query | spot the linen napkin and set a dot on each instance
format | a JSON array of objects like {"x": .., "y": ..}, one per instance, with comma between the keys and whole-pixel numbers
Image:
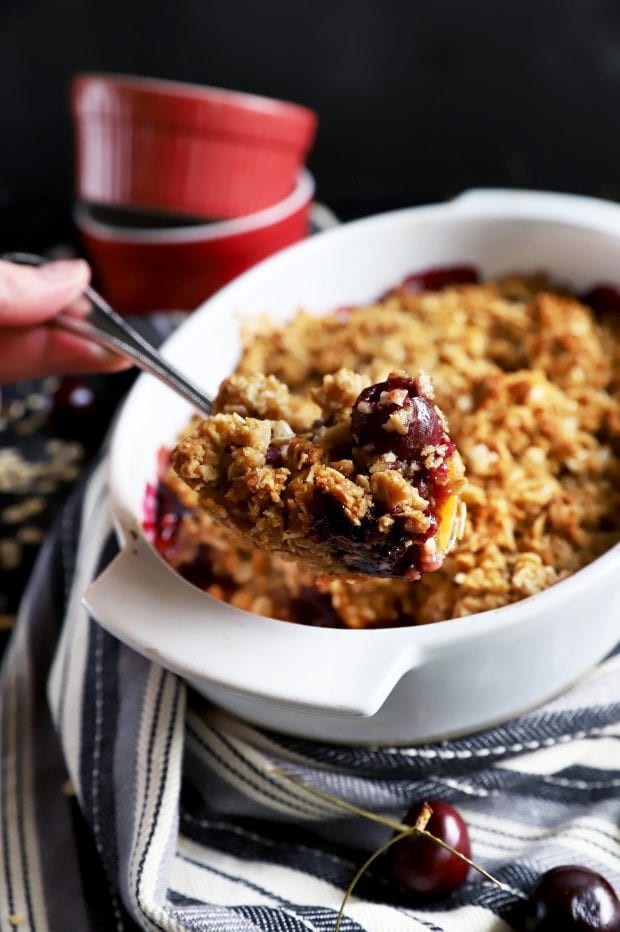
[{"x": 127, "y": 802}]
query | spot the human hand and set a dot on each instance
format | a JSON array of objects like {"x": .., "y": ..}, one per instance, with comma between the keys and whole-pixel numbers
[{"x": 29, "y": 298}]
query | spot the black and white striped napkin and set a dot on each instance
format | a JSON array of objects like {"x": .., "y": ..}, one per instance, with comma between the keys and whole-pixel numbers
[{"x": 126, "y": 802}]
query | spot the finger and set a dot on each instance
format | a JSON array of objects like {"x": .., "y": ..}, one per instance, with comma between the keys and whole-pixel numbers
[
  {"x": 31, "y": 295},
  {"x": 35, "y": 352}
]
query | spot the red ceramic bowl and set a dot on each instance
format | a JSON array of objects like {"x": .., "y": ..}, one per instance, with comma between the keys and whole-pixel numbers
[
  {"x": 202, "y": 151},
  {"x": 176, "y": 268}
]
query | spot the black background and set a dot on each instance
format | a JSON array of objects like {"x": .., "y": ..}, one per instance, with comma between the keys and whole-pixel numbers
[{"x": 417, "y": 100}]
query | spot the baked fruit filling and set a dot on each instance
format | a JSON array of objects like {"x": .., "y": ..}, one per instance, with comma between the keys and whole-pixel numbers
[{"x": 354, "y": 479}]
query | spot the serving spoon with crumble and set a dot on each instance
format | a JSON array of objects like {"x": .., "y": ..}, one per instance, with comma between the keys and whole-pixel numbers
[
  {"x": 370, "y": 489},
  {"x": 100, "y": 324}
]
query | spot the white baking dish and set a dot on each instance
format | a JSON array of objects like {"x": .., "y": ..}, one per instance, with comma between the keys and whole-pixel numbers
[{"x": 388, "y": 686}]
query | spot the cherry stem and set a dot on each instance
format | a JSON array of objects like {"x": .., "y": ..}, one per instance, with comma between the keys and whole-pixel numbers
[
  {"x": 400, "y": 827},
  {"x": 463, "y": 857},
  {"x": 362, "y": 870},
  {"x": 340, "y": 803}
]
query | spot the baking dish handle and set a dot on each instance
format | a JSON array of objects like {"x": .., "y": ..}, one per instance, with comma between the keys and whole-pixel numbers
[
  {"x": 144, "y": 603},
  {"x": 548, "y": 205}
]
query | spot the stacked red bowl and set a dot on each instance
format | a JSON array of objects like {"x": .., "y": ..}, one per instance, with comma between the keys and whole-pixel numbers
[{"x": 182, "y": 187}]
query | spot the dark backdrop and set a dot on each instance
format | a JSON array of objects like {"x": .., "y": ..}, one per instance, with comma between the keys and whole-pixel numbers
[{"x": 417, "y": 100}]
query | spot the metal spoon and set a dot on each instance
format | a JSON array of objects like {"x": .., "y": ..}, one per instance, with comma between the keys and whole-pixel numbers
[{"x": 104, "y": 326}]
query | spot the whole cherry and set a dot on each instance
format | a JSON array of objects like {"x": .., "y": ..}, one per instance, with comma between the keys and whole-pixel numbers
[
  {"x": 422, "y": 866},
  {"x": 603, "y": 298},
  {"x": 572, "y": 899},
  {"x": 443, "y": 276},
  {"x": 82, "y": 406},
  {"x": 373, "y": 409}
]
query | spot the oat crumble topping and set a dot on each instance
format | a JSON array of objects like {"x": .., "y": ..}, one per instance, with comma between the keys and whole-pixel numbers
[
  {"x": 530, "y": 381},
  {"x": 341, "y": 496}
]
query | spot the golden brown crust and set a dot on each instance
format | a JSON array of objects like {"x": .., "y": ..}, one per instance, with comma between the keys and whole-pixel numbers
[
  {"x": 530, "y": 381},
  {"x": 264, "y": 396},
  {"x": 319, "y": 497}
]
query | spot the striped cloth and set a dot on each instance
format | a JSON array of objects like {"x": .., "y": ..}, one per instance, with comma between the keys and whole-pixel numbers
[{"x": 128, "y": 803}]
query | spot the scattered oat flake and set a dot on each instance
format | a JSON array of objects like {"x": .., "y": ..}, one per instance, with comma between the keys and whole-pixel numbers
[
  {"x": 28, "y": 508},
  {"x": 68, "y": 788},
  {"x": 10, "y": 554}
]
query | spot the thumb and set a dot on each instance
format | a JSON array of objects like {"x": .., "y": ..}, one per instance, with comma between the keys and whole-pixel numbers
[{"x": 32, "y": 295}]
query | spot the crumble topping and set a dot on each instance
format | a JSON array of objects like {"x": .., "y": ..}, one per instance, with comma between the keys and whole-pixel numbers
[
  {"x": 334, "y": 497},
  {"x": 530, "y": 379}
]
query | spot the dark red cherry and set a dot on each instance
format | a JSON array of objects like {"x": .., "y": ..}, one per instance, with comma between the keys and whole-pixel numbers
[
  {"x": 572, "y": 899},
  {"x": 442, "y": 276},
  {"x": 82, "y": 406},
  {"x": 422, "y": 866},
  {"x": 602, "y": 298},
  {"x": 273, "y": 456},
  {"x": 74, "y": 412},
  {"x": 163, "y": 515},
  {"x": 74, "y": 395},
  {"x": 314, "y": 608},
  {"x": 371, "y": 413}
]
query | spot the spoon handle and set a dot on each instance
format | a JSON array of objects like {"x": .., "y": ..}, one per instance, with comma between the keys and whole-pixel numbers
[{"x": 102, "y": 325}]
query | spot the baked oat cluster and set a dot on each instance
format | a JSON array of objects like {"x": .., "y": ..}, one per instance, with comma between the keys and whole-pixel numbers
[
  {"x": 366, "y": 483},
  {"x": 529, "y": 379}
]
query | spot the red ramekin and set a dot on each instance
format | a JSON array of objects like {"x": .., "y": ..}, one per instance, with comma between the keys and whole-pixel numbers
[
  {"x": 176, "y": 268},
  {"x": 189, "y": 149}
]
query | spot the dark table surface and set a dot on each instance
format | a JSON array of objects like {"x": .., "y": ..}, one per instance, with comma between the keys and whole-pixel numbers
[{"x": 50, "y": 430}]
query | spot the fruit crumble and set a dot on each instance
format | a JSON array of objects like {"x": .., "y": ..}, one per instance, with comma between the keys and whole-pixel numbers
[
  {"x": 368, "y": 486},
  {"x": 529, "y": 379}
]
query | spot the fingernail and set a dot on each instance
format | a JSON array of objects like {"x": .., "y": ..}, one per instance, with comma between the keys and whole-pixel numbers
[
  {"x": 100, "y": 352},
  {"x": 64, "y": 268}
]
